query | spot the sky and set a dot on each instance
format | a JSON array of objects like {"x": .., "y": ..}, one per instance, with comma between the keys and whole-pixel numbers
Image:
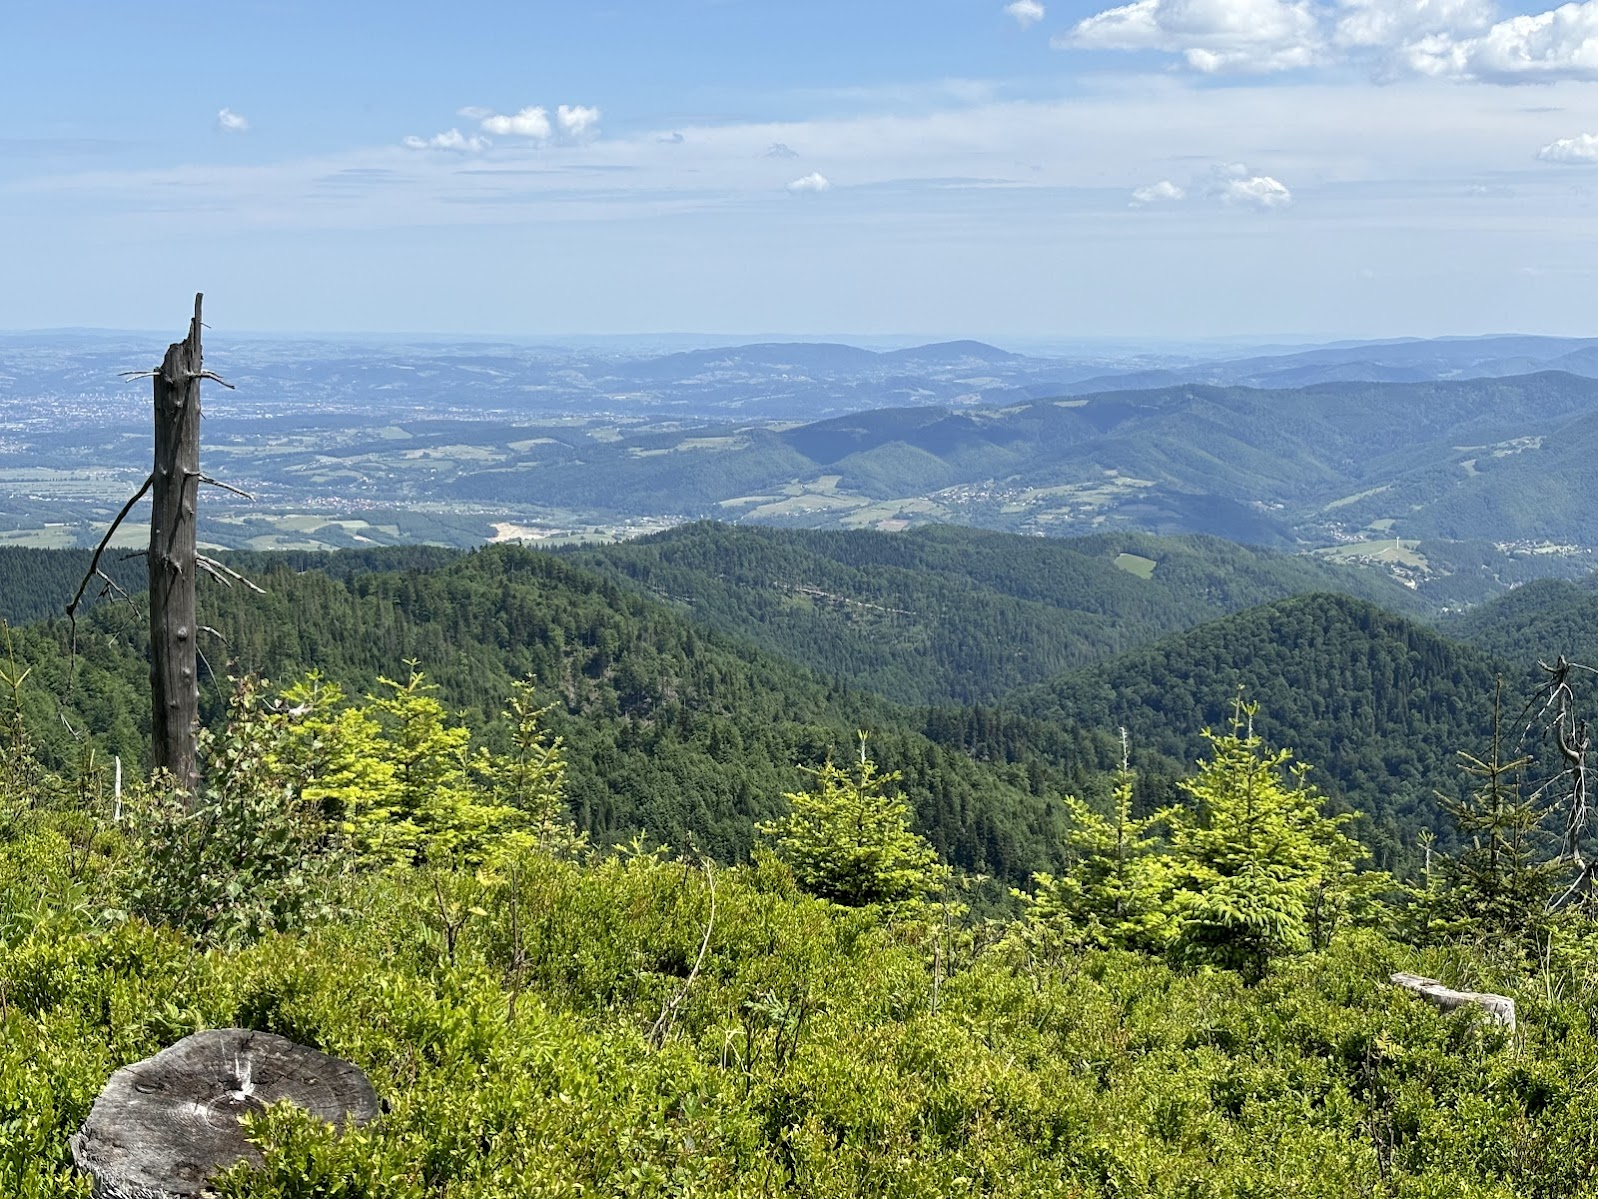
[{"x": 1164, "y": 169}]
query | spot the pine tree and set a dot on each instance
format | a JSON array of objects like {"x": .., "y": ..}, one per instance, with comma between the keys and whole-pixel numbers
[
  {"x": 1495, "y": 885},
  {"x": 339, "y": 753},
  {"x": 531, "y": 779},
  {"x": 1256, "y": 860},
  {"x": 1113, "y": 890},
  {"x": 848, "y": 838}
]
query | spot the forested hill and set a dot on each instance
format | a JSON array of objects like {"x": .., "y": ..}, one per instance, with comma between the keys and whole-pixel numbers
[
  {"x": 681, "y": 728},
  {"x": 1541, "y": 620},
  {"x": 36, "y": 584},
  {"x": 1378, "y": 705},
  {"x": 944, "y": 613},
  {"x": 674, "y": 730}
]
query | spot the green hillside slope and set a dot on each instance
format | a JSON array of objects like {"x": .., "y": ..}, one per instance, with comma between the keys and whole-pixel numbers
[
  {"x": 1540, "y": 620},
  {"x": 1377, "y": 704},
  {"x": 673, "y": 729},
  {"x": 1493, "y": 475},
  {"x": 942, "y": 613}
]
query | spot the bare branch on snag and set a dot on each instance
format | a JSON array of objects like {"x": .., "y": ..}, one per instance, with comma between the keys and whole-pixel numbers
[
  {"x": 93, "y": 572},
  {"x": 225, "y": 486},
  {"x": 94, "y": 562},
  {"x": 1571, "y": 739},
  {"x": 212, "y": 569},
  {"x": 226, "y": 574},
  {"x": 211, "y": 375},
  {"x": 134, "y": 376},
  {"x": 112, "y": 587}
]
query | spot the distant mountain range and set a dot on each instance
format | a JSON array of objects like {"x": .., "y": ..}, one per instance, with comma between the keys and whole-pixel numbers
[
  {"x": 768, "y": 380},
  {"x": 1463, "y": 485},
  {"x": 1363, "y": 469},
  {"x": 1403, "y": 361}
]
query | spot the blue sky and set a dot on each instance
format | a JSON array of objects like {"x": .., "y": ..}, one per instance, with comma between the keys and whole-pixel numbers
[{"x": 1161, "y": 169}]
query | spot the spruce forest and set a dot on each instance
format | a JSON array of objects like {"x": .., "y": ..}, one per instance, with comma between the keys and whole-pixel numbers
[{"x": 740, "y": 861}]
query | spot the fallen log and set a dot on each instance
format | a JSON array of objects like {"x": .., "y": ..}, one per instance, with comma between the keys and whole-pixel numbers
[
  {"x": 1498, "y": 1008},
  {"x": 164, "y": 1126}
]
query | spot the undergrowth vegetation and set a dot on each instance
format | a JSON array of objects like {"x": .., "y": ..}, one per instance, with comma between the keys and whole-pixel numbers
[{"x": 1193, "y": 1010}]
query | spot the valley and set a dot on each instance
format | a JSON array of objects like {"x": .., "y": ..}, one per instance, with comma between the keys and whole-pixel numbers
[{"x": 1460, "y": 488}]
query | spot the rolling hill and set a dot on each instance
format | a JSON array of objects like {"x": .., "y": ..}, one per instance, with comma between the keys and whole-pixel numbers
[
  {"x": 1500, "y": 462},
  {"x": 1377, "y": 705},
  {"x": 944, "y": 614},
  {"x": 673, "y": 729}
]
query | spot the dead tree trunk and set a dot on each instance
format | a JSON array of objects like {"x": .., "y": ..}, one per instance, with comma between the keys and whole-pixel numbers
[
  {"x": 174, "y": 493},
  {"x": 173, "y": 486}
]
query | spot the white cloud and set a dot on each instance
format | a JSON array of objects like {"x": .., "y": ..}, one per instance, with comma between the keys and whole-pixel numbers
[
  {"x": 531, "y": 121},
  {"x": 1025, "y": 12},
  {"x": 813, "y": 182},
  {"x": 474, "y": 112},
  {"x": 1395, "y": 25},
  {"x": 1213, "y": 35},
  {"x": 1231, "y": 183},
  {"x": 450, "y": 139},
  {"x": 577, "y": 120},
  {"x": 229, "y": 121},
  {"x": 1583, "y": 148},
  {"x": 1447, "y": 39},
  {"x": 1559, "y": 44},
  {"x": 1256, "y": 191},
  {"x": 1155, "y": 192}
]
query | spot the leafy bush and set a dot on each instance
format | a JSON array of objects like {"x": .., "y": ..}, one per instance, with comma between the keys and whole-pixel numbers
[{"x": 250, "y": 853}]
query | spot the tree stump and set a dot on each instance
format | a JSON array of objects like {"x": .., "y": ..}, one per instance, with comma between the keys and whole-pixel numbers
[
  {"x": 1498, "y": 1008},
  {"x": 164, "y": 1126}
]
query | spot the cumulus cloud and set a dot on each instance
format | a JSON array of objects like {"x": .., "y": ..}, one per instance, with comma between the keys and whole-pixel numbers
[
  {"x": 1230, "y": 183},
  {"x": 577, "y": 120},
  {"x": 1025, "y": 12},
  {"x": 531, "y": 121},
  {"x": 451, "y": 139},
  {"x": 813, "y": 182},
  {"x": 1559, "y": 44},
  {"x": 1212, "y": 35},
  {"x": 1156, "y": 192},
  {"x": 1583, "y": 148},
  {"x": 229, "y": 121},
  {"x": 778, "y": 150},
  {"x": 1398, "y": 25},
  {"x": 536, "y": 123},
  {"x": 1255, "y": 191},
  {"x": 1446, "y": 39}
]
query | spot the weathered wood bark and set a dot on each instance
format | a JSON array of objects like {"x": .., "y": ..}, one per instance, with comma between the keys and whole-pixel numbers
[
  {"x": 1498, "y": 1008},
  {"x": 162, "y": 1127},
  {"x": 175, "y": 486}
]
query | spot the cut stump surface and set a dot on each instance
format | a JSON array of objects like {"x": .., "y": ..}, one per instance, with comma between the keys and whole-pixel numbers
[{"x": 163, "y": 1126}]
